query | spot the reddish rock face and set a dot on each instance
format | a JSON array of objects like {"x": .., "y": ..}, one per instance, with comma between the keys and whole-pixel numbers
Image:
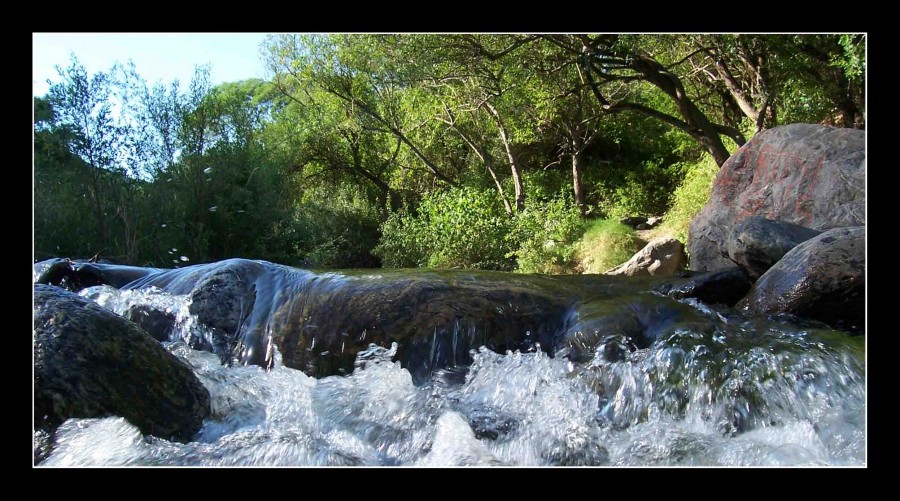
[{"x": 805, "y": 174}]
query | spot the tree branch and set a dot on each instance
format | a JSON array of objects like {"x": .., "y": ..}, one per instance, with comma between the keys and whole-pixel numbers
[
  {"x": 493, "y": 56},
  {"x": 692, "y": 54}
]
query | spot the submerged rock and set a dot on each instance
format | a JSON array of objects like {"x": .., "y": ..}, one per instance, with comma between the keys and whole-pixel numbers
[
  {"x": 74, "y": 276},
  {"x": 51, "y": 271},
  {"x": 805, "y": 174},
  {"x": 158, "y": 323},
  {"x": 663, "y": 256},
  {"x": 822, "y": 279},
  {"x": 222, "y": 296},
  {"x": 726, "y": 287},
  {"x": 319, "y": 322},
  {"x": 437, "y": 319},
  {"x": 89, "y": 362},
  {"x": 613, "y": 327},
  {"x": 756, "y": 243}
]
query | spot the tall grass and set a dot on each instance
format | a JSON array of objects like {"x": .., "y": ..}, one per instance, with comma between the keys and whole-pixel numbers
[
  {"x": 687, "y": 200},
  {"x": 606, "y": 244}
]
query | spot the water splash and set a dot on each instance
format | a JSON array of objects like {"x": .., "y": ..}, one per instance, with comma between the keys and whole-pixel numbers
[
  {"x": 742, "y": 393},
  {"x": 176, "y": 322}
]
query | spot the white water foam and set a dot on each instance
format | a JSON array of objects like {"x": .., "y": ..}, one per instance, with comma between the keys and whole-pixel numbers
[{"x": 688, "y": 400}]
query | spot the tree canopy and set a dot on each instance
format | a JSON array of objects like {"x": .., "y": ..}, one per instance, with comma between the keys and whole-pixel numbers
[{"x": 472, "y": 150}]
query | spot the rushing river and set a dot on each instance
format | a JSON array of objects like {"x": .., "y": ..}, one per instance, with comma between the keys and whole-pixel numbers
[{"x": 729, "y": 391}]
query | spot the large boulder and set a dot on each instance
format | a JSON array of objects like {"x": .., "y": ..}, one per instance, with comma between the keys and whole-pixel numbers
[
  {"x": 320, "y": 322},
  {"x": 756, "y": 243},
  {"x": 823, "y": 279},
  {"x": 805, "y": 174},
  {"x": 663, "y": 256},
  {"x": 90, "y": 362},
  {"x": 437, "y": 318}
]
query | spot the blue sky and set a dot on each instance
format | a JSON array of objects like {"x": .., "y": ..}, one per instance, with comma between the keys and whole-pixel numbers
[{"x": 157, "y": 56}]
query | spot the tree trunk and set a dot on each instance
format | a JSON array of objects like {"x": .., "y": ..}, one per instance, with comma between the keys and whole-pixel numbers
[
  {"x": 699, "y": 126},
  {"x": 577, "y": 186},
  {"x": 390, "y": 196},
  {"x": 97, "y": 202},
  {"x": 693, "y": 121},
  {"x": 98, "y": 213},
  {"x": 486, "y": 161},
  {"x": 513, "y": 164}
]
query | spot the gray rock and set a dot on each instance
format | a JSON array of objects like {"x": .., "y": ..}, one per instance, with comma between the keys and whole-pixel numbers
[
  {"x": 726, "y": 287},
  {"x": 90, "y": 362},
  {"x": 756, "y": 243},
  {"x": 158, "y": 323},
  {"x": 223, "y": 296},
  {"x": 805, "y": 174},
  {"x": 320, "y": 322},
  {"x": 51, "y": 271},
  {"x": 822, "y": 279},
  {"x": 663, "y": 256}
]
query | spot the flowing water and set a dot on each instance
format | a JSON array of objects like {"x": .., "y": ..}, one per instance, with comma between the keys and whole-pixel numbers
[{"x": 717, "y": 390}]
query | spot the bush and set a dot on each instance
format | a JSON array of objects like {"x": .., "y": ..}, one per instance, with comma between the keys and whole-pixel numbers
[
  {"x": 457, "y": 228},
  {"x": 688, "y": 199},
  {"x": 546, "y": 234},
  {"x": 643, "y": 191},
  {"x": 605, "y": 245},
  {"x": 336, "y": 228}
]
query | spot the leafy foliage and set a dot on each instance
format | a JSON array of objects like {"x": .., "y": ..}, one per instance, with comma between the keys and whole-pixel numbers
[
  {"x": 687, "y": 200},
  {"x": 457, "y": 228},
  {"x": 545, "y": 236},
  {"x": 335, "y": 229}
]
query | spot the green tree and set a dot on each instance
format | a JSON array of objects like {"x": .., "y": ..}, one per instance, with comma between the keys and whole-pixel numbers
[{"x": 82, "y": 105}]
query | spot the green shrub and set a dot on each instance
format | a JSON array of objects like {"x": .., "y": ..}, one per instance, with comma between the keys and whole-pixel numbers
[
  {"x": 546, "y": 234},
  {"x": 457, "y": 228},
  {"x": 403, "y": 241},
  {"x": 336, "y": 228},
  {"x": 642, "y": 191},
  {"x": 605, "y": 245},
  {"x": 688, "y": 199}
]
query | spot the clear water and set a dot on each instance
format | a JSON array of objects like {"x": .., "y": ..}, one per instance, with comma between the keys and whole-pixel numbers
[{"x": 747, "y": 394}]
